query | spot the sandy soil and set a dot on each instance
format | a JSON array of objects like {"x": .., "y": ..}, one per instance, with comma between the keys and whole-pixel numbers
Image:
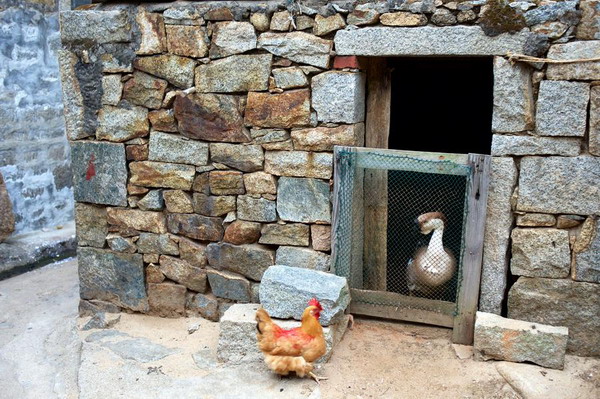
[{"x": 398, "y": 360}]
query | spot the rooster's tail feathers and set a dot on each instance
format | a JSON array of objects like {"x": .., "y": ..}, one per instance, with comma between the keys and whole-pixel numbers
[{"x": 263, "y": 318}]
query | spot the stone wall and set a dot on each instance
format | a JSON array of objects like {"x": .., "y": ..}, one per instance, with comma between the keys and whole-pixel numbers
[
  {"x": 202, "y": 138},
  {"x": 34, "y": 154}
]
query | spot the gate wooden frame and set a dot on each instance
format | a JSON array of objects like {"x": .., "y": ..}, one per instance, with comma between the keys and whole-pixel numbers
[{"x": 371, "y": 210}]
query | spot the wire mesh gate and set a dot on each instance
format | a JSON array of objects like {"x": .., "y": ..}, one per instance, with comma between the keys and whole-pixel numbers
[{"x": 408, "y": 234}]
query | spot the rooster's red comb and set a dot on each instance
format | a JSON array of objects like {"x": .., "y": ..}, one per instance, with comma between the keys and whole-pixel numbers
[{"x": 314, "y": 302}]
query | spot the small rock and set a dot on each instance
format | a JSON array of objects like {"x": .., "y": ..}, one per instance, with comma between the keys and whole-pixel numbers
[
  {"x": 229, "y": 38},
  {"x": 153, "y": 222},
  {"x": 120, "y": 244},
  {"x": 140, "y": 350},
  {"x": 260, "y": 21},
  {"x": 222, "y": 76},
  {"x": 299, "y": 47},
  {"x": 281, "y": 21},
  {"x": 152, "y": 31},
  {"x": 206, "y": 306},
  {"x": 193, "y": 327},
  {"x": 289, "y": 78},
  {"x": 153, "y": 201},
  {"x": 463, "y": 351},
  {"x": 163, "y": 120},
  {"x": 325, "y": 25},
  {"x": 568, "y": 221},
  {"x": 153, "y": 274},
  {"x": 443, "y": 17},
  {"x": 304, "y": 22},
  {"x": 363, "y": 17},
  {"x": 101, "y": 320},
  {"x": 219, "y": 14},
  {"x": 325, "y": 138},
  {"x": 112, "y": 89},
  {"x": 403, "y": 19}
]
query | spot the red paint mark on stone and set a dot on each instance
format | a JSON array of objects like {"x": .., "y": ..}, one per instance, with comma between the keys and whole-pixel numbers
[
  {"x": 91, "y": 169},
  {"x": 351, "y": 61}
]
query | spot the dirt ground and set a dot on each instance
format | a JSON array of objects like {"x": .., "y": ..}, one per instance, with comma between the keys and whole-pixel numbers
[{"x": 43, "y": 354}]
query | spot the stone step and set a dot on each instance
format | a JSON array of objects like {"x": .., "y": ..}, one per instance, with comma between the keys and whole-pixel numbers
[{"x": 237, "y": 339}]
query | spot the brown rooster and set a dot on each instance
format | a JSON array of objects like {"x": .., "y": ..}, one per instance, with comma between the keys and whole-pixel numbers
[{"x": 295, "y": 349}]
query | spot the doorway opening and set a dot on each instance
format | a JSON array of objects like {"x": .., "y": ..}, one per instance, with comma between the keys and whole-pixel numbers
[{"x": 441, "y": 104}]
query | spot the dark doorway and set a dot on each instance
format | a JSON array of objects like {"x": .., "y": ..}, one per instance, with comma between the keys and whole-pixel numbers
[{"x": 441, "y": 104}]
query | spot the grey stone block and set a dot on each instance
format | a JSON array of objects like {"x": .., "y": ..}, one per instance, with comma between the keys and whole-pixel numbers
[
  {"x": 519, "y": 341},
  {"x": 314, "y": 206},
  {"x": 80, "y": 27},
  {"x": 114, "y": 277},
  {"x": 285, "y": 292},
  {"x": 285, "y": 234},
  {"x": 577, "y": 70},
  {"x": 250, "y": 261},
  {"x": 562, "y": 108},
  {"x": 450, "y": 40},
  {"x": 167, "y": 147},
  {"x": 513, "y": 97},
  {"x": 237, "y": 338},
  {"x": 499, "y": 217},
  {"x": 237, "y": 73},
  {"x": 531, "y": 145},
  {"x": 594, "y": 123},
  {"x": 120, "y": 124},
  {"x": 297, "y": 46},
  {"x": 302, "y": 257},
  {"x": 229, "y": 285},
  {"x": 540, "y": 253},
  {"x": 206, "y": 306},
  {"x": 560, "y": 302},
  {"x": 99, "y": 173},
  {"x": 256, "y": 209},
  {"x": 339, "y": 96},
  {"x": 566, "y": 185}
]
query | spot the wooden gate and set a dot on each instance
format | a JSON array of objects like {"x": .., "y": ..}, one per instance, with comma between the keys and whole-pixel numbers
[{"x": 376, "y": 193}]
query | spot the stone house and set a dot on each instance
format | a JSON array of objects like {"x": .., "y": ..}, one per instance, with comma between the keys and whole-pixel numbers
[{"x": 202, "y": 138}]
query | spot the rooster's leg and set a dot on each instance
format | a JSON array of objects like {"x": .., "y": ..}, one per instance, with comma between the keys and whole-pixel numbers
[{"x": 316, "y": 378}]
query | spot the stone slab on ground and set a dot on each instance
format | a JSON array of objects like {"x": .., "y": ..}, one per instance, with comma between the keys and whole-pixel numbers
[
  {"x": 237, "y": 339},
  {"x": 285, "y": 292},
  {"x": 24, "y": 252},
  {"x": 534, "y": 382},
  {"x": 39, "y": 346},
  {"x": 560, "y": 302},
  {"x": 519, "y": 341}
]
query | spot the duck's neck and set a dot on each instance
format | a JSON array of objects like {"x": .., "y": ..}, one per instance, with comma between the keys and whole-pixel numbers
[{"x": 436, "y": 243}]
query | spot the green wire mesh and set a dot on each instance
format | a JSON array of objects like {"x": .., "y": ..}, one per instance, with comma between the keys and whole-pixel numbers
[{"x": 423, "y": 260}]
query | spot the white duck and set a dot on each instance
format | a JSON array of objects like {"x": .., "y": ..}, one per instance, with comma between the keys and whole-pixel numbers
[{"x": 433, "y": 265}]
